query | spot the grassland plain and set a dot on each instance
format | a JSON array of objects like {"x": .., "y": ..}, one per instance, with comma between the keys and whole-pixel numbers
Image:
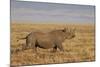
[{"x": 81, "y": 48}]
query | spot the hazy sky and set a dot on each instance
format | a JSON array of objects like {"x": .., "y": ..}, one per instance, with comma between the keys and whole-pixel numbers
[{"x": 50, "y": 12}]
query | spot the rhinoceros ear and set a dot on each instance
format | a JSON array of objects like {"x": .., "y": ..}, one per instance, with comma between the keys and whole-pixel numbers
[{"x": 64, "y": 30}]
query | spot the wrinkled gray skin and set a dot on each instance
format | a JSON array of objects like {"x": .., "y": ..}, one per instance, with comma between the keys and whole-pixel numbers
[{"x": 48, "y": 40}]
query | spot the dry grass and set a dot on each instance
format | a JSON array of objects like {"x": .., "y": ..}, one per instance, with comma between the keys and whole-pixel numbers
[{"x": 80, "y": 48}]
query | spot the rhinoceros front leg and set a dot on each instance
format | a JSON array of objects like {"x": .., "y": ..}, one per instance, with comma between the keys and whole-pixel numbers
[
  {"x": 55, "y": 48},
  {"x": 59, "y": 45}
]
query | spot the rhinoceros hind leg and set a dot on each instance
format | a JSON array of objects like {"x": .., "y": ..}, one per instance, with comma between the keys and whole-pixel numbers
[{"x": 34, "y": 47}]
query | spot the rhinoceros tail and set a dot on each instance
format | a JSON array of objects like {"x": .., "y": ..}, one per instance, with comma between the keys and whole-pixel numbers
[{"x": 21, "y": 38}]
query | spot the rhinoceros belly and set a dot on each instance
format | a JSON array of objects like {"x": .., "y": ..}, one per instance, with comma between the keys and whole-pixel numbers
[{"x": 45, "y": 43}]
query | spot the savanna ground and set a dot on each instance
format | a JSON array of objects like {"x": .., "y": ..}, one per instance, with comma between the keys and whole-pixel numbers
[{"x": 81, "y": 48}]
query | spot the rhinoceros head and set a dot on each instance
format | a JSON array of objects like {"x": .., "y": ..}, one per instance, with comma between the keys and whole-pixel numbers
[{"x": 69, "y": 33}]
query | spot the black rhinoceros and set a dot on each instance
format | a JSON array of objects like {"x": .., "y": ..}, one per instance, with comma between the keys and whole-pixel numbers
[{"x": 52, "y": 39}]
